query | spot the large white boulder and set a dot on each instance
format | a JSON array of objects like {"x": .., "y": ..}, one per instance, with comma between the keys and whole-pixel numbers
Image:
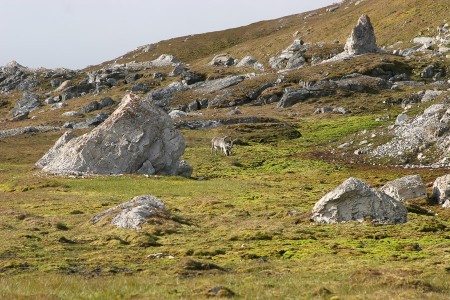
[
  {"x": 354, "y": 200},
  {"x": 139, "y": 137},
  {"x": 406, "y": 188},
  {"x": 441, "y": 191}
]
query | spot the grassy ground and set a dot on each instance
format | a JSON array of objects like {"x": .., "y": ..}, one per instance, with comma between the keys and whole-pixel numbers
[{"x": 241, "y": 223}]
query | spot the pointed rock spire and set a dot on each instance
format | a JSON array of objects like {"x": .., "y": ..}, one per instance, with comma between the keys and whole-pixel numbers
[{"x": 362, "y": 39}]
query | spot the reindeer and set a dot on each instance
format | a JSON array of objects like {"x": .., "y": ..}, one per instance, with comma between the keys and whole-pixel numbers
[{"x": 222, "y": 144}]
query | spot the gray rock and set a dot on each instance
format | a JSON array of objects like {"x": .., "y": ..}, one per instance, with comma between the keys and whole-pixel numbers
[
  {"x": 55, "y": 83},
  {"x": 59, "y": 105},
  {"x": 292, "y": 97},
  {"x": 234, "y": 112},
  {"x": 354, "y": 200},
  {"x": 174, "y": 114},
  {"x": 427, "y": 72},
  {"x": 340, "y": 110},
  {"x": 178, "y": 70},
  {"x": 248, "y": 61},
  {"x": 63, "y": 86},
  {"x": 430, "y": 95},
  {"x": 423, "y": 40},
  {"x": 165, "y": 60},
  {"x": 140, "y": 87},
  {"x": 133, "y": 77},
  {"x": 441, "y": 189},
  {"x": 89, "y": 107},
  {"x": 27, "y": 84},
  {"x": 77, "y": 91},
  {"x": 190, "y": 77},
  {"x": 224, "y": 100},
  {"x": 71, "y": 114},
  {"x": 410, "y": 83},
  {"x": 105, "y": 102},
  {"x": 138, "y": 137},
  {"x": 222, "y": 60},
  {"x": 52, "y": 100},
  {"x": 430, "y": 128},
  {"x": 362, "y": 39},
  {"x": 27, "y": 103},
  {"x": 25, "y": 130},
  {"x": 406, "y": 188},
  {"x": 111, "y": 82},
  {"x": 255, "y": 93},
  {"x": 20, "y": 117},
  {"x": 345, "y": 145},
  {"x": 323, "y": 110},
  {"x": 212, "y": 86},
  {"x": 197, "y": 105},
  {"x": 133, "y": 214},
  {"x": 363, "y": 83},
  {"x": 401, "y": 118},
  {"x": 296, "y": 61},
  {"x": 184, "y": 169},
  {"x": 332, "y": 9},
  {"x": 291, "y": 57},
  {"x": 163, "y": 97}
]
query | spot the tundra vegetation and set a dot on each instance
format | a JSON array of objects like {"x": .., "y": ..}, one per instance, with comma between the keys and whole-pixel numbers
[{"x": 240, "y": 226}]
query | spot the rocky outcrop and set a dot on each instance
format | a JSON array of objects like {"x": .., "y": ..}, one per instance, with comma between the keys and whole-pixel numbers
[
  {"x": 165, "y": 60},
  {"x": 222, "y": 60},
  {"x": 24, "y": 130},
  {"x": 134, "y": 213},
  {"x": 437, "y": 45},
  {"x": 291, "y": 57},
  {"x": 406, "y": 188},
  {"x": 250, "y": 62},
  {"x": 12, "y": 75},
  {"x": 293, "y": 96},
  {"x": 215, "y": 85},
  {"x": 138, "y": 137},
  {"x": 178, "y": 70},
  {"x": 97, "y": 105},
  {"x": 354, "y": 200},
  {"x": 413, "y": 138},
  {"x": 441, "y": 191},
  {"x": 163, "y": 97},
  {"x": 362, "y": 39},
  {"x": 78, "y": 90},
  {"x": 27, "y": 103},
  {"x": 329, "y": 109}
]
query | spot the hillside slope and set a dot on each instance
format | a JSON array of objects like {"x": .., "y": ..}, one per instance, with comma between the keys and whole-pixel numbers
[{"x": 394, "y": 21}]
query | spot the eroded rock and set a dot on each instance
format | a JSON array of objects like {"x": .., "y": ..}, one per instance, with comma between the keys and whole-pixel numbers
[
  {"x": 28, "y": 102},
  {"x": 138, "y": 137},
  {"x": 406, "y": 188},
  {"x": 354, "y": 200},
  {"x": 362, "y": 39},
  {"x": 134, "y": 213},
  {"x": 441, "y": 190}
]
